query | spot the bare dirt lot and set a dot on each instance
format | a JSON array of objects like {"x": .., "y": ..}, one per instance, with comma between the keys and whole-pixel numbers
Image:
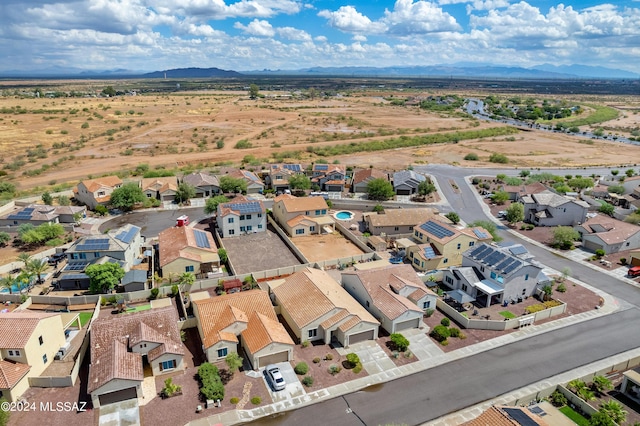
[{"x": 326, "y": 246}]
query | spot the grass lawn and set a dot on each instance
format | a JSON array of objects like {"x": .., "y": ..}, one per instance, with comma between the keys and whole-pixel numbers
[
  {"x": 85, "y": 317},
  {"x": 139, "y": 308},
  {"x": 507, "y": 314},
  {"x": 576, "y": 417}
]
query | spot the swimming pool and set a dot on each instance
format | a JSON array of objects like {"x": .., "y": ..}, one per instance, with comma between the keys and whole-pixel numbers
[{"x": 344, "y": 215}]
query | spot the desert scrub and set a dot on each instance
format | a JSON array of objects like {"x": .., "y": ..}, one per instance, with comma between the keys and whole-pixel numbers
[
  {"x": 256, "y": 400},
  {"x": 234, "y": 400},
  {"x": 307, "y": 381},
  {"x": 301, "y": 368}
]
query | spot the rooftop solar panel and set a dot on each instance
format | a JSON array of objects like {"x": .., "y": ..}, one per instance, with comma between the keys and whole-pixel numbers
[
  {"x": 74, "y": 277},
  {"x": 429, "y": 253},
  {"x": 201, "y": 239},
  {"x": 28, "y": 210},
  {"x": 494, "y": 258},
  {"x": 518, "y": 250},
  {"x": 76, "y": 266},
  {"x": 480, "y": 234},
  {"x": 505, "y": 262},
  {"x": 515, "y": 265},
  {"x": 436, "y": 229},
  {"x": 477, "y": 250},
  {"x": 127, "y": 236},
  {"x": 484, "y": 253},
  {"x": 321, "y": 167},
  {"x": 520, "y": 417},
  {"x": 243, "y": 208},
  {"x": 293, "y": 167}
]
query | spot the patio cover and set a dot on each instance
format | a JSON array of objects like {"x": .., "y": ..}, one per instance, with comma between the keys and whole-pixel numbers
[
  {"x": 404, "y": 243},
  {"x": 488, "y": 287},
  {"x": 460, "y": 296}
]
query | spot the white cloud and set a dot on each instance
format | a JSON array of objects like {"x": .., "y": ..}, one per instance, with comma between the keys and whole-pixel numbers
[
  {"x": 409, "y": 18},
  {"x": 256, "y": 28},
  {"x": 359, "y": 37},
  {"x": 291, "y": 33},
  {"x": 348, "y": 19}
]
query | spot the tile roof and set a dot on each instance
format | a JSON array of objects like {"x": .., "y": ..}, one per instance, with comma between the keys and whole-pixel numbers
[
  {"x": 16, "y": 328},
  {"x": 551, "y": 199},
  {"x": 160, "y": 184},
  {"x": 300, "y": 204},
  {"x": 93, "y": 185},
  {"x": 247, "y": 204},
  {"x": 402, "y": 217},
  {"x": 497, "y": 416},
  {"x": 115, "y": 362},
  {"x": 250, "y": 177},
  {"x": 335, "y": 319},
  {"x": 261, "y": 331},
  {"x": 310, "y": 294},
  {"x": 407, "y": 177},
  {"x": 180, "y": 242},
  {"x": 609, "y": 230},
  {"x": 367, "y": 174},
  {"x": 11, "y": 373},
  {"x": 201, "y": 179}
]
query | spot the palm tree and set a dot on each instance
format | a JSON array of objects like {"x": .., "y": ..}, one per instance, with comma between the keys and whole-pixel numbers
[
  {"x": 187, "y": 278},
  {"x": 37, "y": 267},
  {"x": 7, "y": 282},
  {"x": 614, "y": 410},
  {"x": 24, "y": 258},
  {"x": 601, "y": 384}
]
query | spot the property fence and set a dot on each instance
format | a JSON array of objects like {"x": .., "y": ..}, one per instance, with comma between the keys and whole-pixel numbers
[
  {"x": 287, "y": 240},
  {"x": 351, "y": 237}
]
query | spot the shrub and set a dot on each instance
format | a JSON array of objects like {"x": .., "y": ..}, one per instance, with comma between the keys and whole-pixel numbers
[
  {"x": 212, "y": 387},
  {"x": 534, "y": 308},
  {"x": 301, "y": 368},
  {"x": 471, "y": 157},
  {"x": 334, "y": 369},
  {"x": 154, "y": 293},
  {"x": 445, "y": 321},
  {"x": 498, "y": 158},
  {"x": 101, "y": 210},
  {"x": 440, "y": 333},
  {"x": 454, "y": 332},
  {"x": 561, "y": 288},
  {"x": 305, "y": 344},
  {"x": 558, "y": 399},
  {"x": 429, "y": 312},
  {"x": 399, "y": 341},
  {"x": 175, "y": 290},
  {"x": 234, "y": 400},
  {"x": 316, "y": 360},
  {"x": 256, "y": 400},
  {"x": 307, "y": 381},
  {"x": 353, "y": 359},
  {"x": 357, "y": 368},
  {"x": 243, "y": 144},
  {"x": 170, "y": 388},
  {"x": 623, "y": 261},
  {"x": 328, "y": 357},
  {"x": 600, "y": 253}
]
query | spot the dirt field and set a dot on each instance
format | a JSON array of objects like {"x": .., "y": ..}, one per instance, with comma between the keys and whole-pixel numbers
[
  {"x": 46, "y": 141},
  {"x": 326, "y": 246}
]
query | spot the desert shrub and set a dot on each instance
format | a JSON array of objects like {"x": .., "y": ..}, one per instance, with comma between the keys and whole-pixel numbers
[
  {"x": 623, "y": 261},
  {"x": 429, "y": 312},
  {"x": 498, "y": 158},
  {"x": 600, "y": 253},
  {"x": 256, "y": 400},
  {"x": 301, "y": 368},
  {"x": 445, "y": 321},
  {"x": 305, "y": 344},
  {"x": 440, "y": 333},
  {"x": 154, "y": 293},
  {"x": 243, "y": 144},
  {"x": 334, "y": 369},
  {"x": 328, "y": 357},
  {"x": 307, "y": 381},
  {"x": 234, "y": 400},
  {"x": 561, "y": 288},
  {"x": 316, "y": 360},
  {"x": 170, "y": 388},
  {"x": 357, "y": 368},
  {"x": 471, "y": 157},
  {"x": 454, "y": 332},
  {"x": 534, "y": 308},
  {"x": 353, "y": 359},
  {"x": 101, "y": 210},
  {"x": 212, "y": 387},
  {"x": 558, "y": 399},
  {"x": 399, "y": 341}
]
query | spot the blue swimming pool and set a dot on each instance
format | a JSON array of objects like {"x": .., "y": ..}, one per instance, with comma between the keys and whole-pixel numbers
[
  {"x": 344, "y": 215},
  {"x": 14, "y": 289}
]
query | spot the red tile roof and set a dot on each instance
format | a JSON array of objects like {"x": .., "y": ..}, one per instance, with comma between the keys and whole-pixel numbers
[
  {"x": 11, "y": 373},
  {"x": 16, "y": 328}
]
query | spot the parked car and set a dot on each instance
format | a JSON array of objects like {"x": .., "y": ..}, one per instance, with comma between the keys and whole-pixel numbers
[
  {"x": 634, "y": 271},
  {"x": 274, "y": 376},
  {"x": 502, "y": 213},
  {"x": 56, "y": 258}
]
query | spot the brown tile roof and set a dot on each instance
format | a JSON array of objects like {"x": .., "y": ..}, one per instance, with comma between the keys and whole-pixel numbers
[
  {"x": 217, "y": 313},
  {"x": 16, "y": 328},
  {"x": 180, "y": 242},
  {"x": 496, "y": 416},
  {"x": 165, "y": 348},
  {"x": 616, "y": 231},
  {"x": 335, "y": 319},
  {"x": 115, "y": 362},
  {"x": 300, "y": 204},
  {"x": 402, "y": 217},
  {"x": 350, "y": 323},
  {"x": 310, "y": 294},
  {"x": 160, "y": 184},
  {"x": 261, "y": 331},
  {"x": 366, "y": 174},
  {"x": 93, "y": 185},
  {"x": 11, "y": 373},
  {"x": 201, "y": 179}
]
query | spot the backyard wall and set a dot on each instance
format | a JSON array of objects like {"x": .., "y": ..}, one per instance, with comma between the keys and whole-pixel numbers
[{"x": 287, "y": 240}]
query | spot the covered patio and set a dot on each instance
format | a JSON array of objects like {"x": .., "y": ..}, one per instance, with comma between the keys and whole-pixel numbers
[{"x": 489, "y": 293}]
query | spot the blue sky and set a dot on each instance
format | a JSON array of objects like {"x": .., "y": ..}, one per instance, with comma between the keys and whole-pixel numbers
[{"x": 148, "y": 35}]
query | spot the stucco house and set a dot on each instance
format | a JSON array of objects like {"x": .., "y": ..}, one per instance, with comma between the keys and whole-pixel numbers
[
  {"x": 185, "y": 249},
  {"x": 29, "y": 342},
  {"x": 547, "y": 208},
  {"x": 206, "y": 185},
  {"x": 244, "y": 321},
  {"x": 254, "y": 183},
  {"x": 160, "y": 188},
  {"x": 494, "y": 274},
  {"x": 122, "y": 345},
  {"x": 37, "y": 214},
  {"x": 277, "y": 176},
  {"x": 441, "y": 245},
  {"x": 516, "y": 192},
  {"x": 608, "y": 234},
  {"x": 361, "y": 179},
  {"x": 92, "y": 192},
  {"x": 302, "y": 215},
  {"x": 329, "y": 177},
  {"x": 241, "y": 215},
  {"x": 393, "y": 294},
  {"x": 398, "y": 221},
  {"x": 316, "y": 307},
  {"x": 405, "y": 182}
]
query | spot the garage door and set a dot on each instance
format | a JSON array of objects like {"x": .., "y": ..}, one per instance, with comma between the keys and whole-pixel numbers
[
  {"x": 361, "y": 337},
  {"x": 403, "y": 192},
  {"x": 590, "y": 245},
  {"x": 117, "y": 396},
  {"x": 272, "y": 359},
  {"x": 414, "y": 323}
]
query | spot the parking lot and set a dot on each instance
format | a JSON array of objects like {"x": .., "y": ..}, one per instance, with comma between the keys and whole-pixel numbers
[{"x": 258, "y": 252}]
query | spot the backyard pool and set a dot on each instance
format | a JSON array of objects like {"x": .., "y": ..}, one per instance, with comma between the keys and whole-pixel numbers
[{"x": 344, "y": 215}]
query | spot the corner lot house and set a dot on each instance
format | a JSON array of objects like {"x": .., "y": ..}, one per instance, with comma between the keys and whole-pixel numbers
[
  {"x": 405, "y": 182},
  {"x": 608, "y": 234},
  {"x": 184, "y": 249},
  {"x": 361, "y": 179},
  {"x": 547, "y": 208},
  {"x": 28, "y": 344},
  {"x": 442, "y": 245},
  {"x": 241, "y": 321},
  {"x": 394, "y": 295},
  {"x": 37, "y": 214},
  {"x": 397, "y": 221},
  {"x": 206, "y": 185},
  {"x": 302, "y": 215},
  {"x": 241, "y": 215},
  {"x": 92, "y": 192},
  {"x": 123, "y": 345},
  {"x": 160, "y": 188},
  {"x": 316, "y": 307},
  {"x": 491, "y": 275}
]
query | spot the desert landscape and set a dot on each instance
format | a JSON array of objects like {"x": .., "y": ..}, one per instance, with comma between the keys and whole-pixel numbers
[{"x": 50, "y": 141}]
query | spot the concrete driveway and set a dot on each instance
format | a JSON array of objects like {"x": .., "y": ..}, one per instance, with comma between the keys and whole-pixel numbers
[
  {"x": 294, "y": 387},
  {"x": 120, "y": 414}
]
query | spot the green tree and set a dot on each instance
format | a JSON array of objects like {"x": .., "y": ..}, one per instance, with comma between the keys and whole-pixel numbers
[
  {"x": 630, "y": 172},
  {"x": 599, "y": 132},
  {"x": 525, "y": 173},
  {"x": 500, "y": 197},
  {"x": 254, "y": 91},
  {"x": 104, "y": 278},
  {"x": 600, "y": 418},
  {"x": 187, "y": 278},
  {"x": 471, "y": 157},
  {"x": 400, "y": 342},
  {"x": 185, "y": 192},
  {"x": 4, "y": 238},
  {"x": 615, "y": 172},
  {"x": 564, "y": 237},
  {"x": 233, "y": 361},
  {"x": 32, "y": 237},
  {"x": 63, "y": 200},
  {"x": 222, "y": 254},
  {"x": 440, "y": 333},
  {"x": 378, "y": 208},
  {"x": 127, "y": 196},
  {"x": 211, "y": 205},
  {"x": 7, "y": 282},
  {"x": 616, "y": 189},
  {"x": 7, "y": 187},
  {"x": 579, "y": 183},
  {"x": 37, "y": 267},
  {"x": 47, "y": 198},
  {"x": 4, "y": 415},
  {"x": 426, "y": 187},
  {"x": 109, "y": 91},
  {"x": 25, "y": 258},
  {"x": 300, "y": 182},
  {"x": 608, "y": 209},
  {"x": 515, "y": 213},
  {"x": 489, "y": 226},
  {"x": 379, "y": 189},
  {"x": 614, "y": 410},
  {"x": 231, "y": 184},
  {"x": 453, "y": 217},
  {"x": 49, "y": 231}
]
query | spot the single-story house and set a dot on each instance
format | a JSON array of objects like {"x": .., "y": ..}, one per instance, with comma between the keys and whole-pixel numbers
[
  {"x": 37, "y": 214},
  {"x": 361, "y": 179},
  {"x": 206, "y": 185},
  {"x": 398, "y": 221},
  {"x": 160, "y": 188},
  {"x": 185, "y": 249},
  {"x": 405, "y": 182},
  {"x": 608, "y": 234}
]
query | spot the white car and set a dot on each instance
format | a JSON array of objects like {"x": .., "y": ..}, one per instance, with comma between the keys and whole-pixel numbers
[{"x": 274, "y": 377}]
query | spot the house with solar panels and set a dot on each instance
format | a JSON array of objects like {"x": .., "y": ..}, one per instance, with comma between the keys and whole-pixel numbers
[
  {"x": 405, "y": 182},
  {"x": 441, "y": 245},
  {"x": 494, "y": 274},
  {"x": 240, "y": 216},
  {"x": 184, "y": 249},
  {"x": 37, "y": 214},
  {"x": 329, "y": 177},
  {"x": 277, "y": 176},
  {"x": 120, "y": 246}
]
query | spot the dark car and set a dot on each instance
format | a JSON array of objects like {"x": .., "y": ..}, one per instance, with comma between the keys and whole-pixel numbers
[{"x": 56, "y": 258}]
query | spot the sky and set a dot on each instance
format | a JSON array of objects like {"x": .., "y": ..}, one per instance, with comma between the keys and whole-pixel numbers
[{"x": 242, "y": 35}]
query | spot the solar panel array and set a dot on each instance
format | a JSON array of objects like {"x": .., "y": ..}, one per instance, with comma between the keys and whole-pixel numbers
[
  {"x": 520, "y": 417},
  {"x": 76, "y": 266},
  {"x": 480, "y": 234},
  {"x": 436, "y": 229},
  {"x": 513, "y": 266},
  {"x": 429, "y": 253},
  {"x": 321, "y": 167},
  {"x": 480, "y": 252},
  {"x": 494, "y": 258},
  {"x": 201, "y": 239},
  {"x": 24, "y": 214},
  {"x": 127, "y": 236},
  {"x": 518, "y": 250},
  {"x": 95, "y": 244},
  {"x": 293, "y": 167},
  {"x": 244, "y": 208}
]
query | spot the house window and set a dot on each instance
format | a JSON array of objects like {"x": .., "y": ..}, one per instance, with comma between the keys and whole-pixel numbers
[
  {"x": 40, "y": 340},
  {"x": 189, "y": 268},
  {"x": 232, "y": 231},
  {"x": 411, "y": 255},
  {"x": 464, "y": 288},
  {"x": 143, "y": 345},
  {"x": 482, "y": 268},
  {"x": 312, "y": 229},
  {"x": 317, "y": 212},
  {"x": 324, "y": 211},
  {"x": 259, "y": 226},
  {"x": 148, "y": 195},
  {"x": 241, "y": 217},
  {"x": 426, "y": 304},
  {"x": 416, "y": 261},
  {"x": 411, "y": 228},
  {"x": 222, "y": 352},
  {"x": 249, "y": 228},
  {"x": 306, "y": 213},
  {"x": 396, "y": 228},
  {"x": 472, "y": 243},
  {"x": 526, "y": 277},
  {"x": 44, "y": 358},
  {"x": 415, "y": 233},
  {"x": 14, "y": 352},
  {"x": 259, "y": 214},
  {"x": 493, "y": 275},
  {"x": 459, "y": 245},
  {"x": 167, "y": 365},
  {"x": 83, "y": 255},
  {"x": 230, "y": 220},
  {"x": 15, "y": 222},
  {"x": 313, "y": 333},
  {"x": 449, "y": 280},
  {"x": 299, "y": 231},
  {"x": 96, "y": 254},
  {"x": 524, "y": 291},
  {"x": 242, "y": 229},
  {"x": 367, "y": 303},
  {"x": 445, "y": 260},
  {"x": 248, "y": 217}
]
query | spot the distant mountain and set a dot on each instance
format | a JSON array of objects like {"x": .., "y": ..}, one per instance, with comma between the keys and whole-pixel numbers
[
  {"x": 587, "y": 71},
  {"x": 192, "y": 73}
]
